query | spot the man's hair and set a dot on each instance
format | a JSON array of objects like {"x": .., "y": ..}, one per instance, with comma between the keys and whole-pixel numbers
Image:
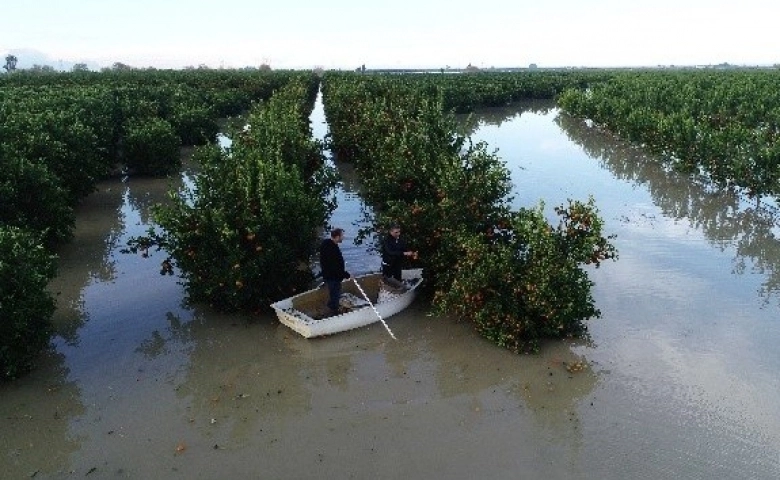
[
  {"x": 336, "y": 232},
  {"x": 395, "y": 226}
]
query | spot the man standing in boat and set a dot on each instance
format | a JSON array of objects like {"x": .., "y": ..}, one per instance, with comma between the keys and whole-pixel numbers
[
  {"x": 332, "y": 265},
  {"x": 394, "y": 250}
]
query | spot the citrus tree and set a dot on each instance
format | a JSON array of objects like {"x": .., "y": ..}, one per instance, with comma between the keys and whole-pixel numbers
[
  {"x": 26, "y": 305},
  {"x": 524, "y": 280},
  {"x": 243, "y": 233}
]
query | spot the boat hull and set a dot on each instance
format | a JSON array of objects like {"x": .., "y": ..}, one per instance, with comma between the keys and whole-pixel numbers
[{"x": 301, "y": 311}]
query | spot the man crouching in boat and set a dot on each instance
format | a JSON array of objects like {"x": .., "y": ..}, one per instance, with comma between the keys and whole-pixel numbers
[{"x": 332, "y": 265}]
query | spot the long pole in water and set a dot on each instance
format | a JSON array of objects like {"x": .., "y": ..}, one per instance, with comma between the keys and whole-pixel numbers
[{"x": 373, "y": 307}]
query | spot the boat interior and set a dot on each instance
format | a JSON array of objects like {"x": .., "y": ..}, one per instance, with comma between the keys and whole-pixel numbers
[{"x": 314, "y": 303}]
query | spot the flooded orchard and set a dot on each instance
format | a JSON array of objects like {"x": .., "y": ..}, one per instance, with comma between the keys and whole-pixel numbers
[{"x": 678, "y": 380}]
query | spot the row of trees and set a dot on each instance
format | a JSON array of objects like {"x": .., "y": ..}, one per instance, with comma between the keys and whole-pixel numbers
[
  {"x": 724, "y": 125},
  {"x": 243, "y": 234},
  {"x": 254, "y": 211},
  {"x": 11, "y": 62},
  {"x": 64, "y": 132},
  {"x": 516, "y": 277}
]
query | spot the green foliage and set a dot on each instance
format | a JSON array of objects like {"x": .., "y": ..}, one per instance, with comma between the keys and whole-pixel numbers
[
  {"x": 31, "y": 197},
  {"x": 511, "y": 273},
  {"x": 61, "y": 141},
  {"x": 243, "y": 235},
  {"x": 195, "y": 125},
  {"x": 279, "y": 130},
  {"x": 243, "y": 239},
  {"x": 62, "y": 132},
  {"x": 151, "y": 147},
  {"x": 418, "y": 171},
  {"x": 229, "y": 102},
  {"x": 25, "y": 304},
  {"x": 722, "y": 124},
  {"x": 523, "y": 280},
  {"x": 468, "y": 191}
]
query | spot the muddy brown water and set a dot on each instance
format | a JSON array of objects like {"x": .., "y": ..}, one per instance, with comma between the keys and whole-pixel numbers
[{"x": 679, "y": 379}]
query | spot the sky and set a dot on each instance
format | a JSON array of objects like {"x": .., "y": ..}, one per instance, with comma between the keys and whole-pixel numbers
[{"x": 345, "y": 34}]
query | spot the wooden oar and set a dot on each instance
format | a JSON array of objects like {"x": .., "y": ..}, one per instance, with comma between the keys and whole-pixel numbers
[{"x": 373, "y": 307}]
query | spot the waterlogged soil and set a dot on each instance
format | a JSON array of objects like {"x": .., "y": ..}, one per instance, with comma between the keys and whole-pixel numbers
[{"x": 678, "y": 380}]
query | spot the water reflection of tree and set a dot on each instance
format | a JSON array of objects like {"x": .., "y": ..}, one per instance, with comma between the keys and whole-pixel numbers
[
  {"x": 350, "y": 180},
  {"x": 360, "y": 217},
  {"x": 496, "y": 116},
  {"x": 719, "y": 214},
  {"x": 450, "y": 361},
  {"x": 88, "y": 256},
  {"x": 143, "y": 193},
  {"x": 104, "y": 220},
  {"x": 36, "y": 413}
]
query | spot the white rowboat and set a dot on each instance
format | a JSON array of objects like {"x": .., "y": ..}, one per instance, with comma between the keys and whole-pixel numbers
[{"x": 304, "y": 312}]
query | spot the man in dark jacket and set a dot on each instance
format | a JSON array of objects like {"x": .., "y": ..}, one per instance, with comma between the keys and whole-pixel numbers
[
  {"x": 332, "y": 265},
  {"x": 393, "y": 252}
]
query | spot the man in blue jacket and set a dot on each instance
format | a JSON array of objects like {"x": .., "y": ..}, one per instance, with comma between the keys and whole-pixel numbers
[{"x": 332, "y": 265}]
